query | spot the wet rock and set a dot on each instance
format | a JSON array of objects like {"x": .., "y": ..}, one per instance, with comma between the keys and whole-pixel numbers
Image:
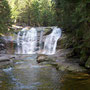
[
  {"x": 65, "y": 65},
  {"x": 60, "y": 62},
  {"x": 48, "y": 31},
  {"x": 43, "y": 58},
  {"x": 6, "y": 59},
  {"x": 70, "y": 67}
]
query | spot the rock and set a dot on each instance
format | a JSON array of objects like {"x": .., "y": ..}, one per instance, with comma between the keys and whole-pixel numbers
[
  {"x": 60, "y": 62},
  {"x": 3, "y": 51},
  {"x": 43, "y": 58},
  {"x": 87, "y": 64},
  {"x": 54, "y": 64},
  {"x": 6, "y": 59},
  {"x": 62, "y": 66},
  {"x": 48, "y": 31}
]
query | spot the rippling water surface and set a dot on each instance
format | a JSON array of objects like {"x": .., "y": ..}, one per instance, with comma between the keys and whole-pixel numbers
[{"x": 26, "y": 74}]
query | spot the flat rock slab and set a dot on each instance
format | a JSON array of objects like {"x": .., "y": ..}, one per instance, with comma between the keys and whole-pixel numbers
[
  {"x": 6, "y": 59},
  {"x": 60, "y": 61}
]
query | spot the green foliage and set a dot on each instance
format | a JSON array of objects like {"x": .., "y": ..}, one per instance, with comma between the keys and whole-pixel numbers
[
  {"x": 74, "y": 18},
  {"x": 48, "y": 15},
  {"x": 33, "y": 12},
  {"x": 4, "y": 16}
]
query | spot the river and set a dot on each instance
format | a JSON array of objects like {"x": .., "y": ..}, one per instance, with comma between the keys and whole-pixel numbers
[{"x": 27, "y": 74}]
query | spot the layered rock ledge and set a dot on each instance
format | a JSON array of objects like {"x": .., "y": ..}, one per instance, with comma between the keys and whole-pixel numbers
[{"x": 60, "y": 62}]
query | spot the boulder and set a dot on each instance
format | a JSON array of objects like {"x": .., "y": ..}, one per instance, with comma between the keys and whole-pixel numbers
[
  {"x": 4, "y": 58},
  {"x": 43, "y": 58}
]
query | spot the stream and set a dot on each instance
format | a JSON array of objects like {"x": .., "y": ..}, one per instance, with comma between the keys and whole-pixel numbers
[
  {"x": 27, "y": 74},
  {"x": 24, "y": 73}
]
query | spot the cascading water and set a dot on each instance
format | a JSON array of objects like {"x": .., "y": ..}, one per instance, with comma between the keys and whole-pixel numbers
[
  {"x": 20, "y": 40},
  {"x": 27, "y": 41},
  {"x": 51, "y": 41}
]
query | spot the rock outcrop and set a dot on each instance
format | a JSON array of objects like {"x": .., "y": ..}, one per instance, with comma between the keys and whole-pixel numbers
[{"x": 60, "y": 62}]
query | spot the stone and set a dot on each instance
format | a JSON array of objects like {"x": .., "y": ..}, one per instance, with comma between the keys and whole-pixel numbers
[
  {"x": 44, "y": 58},
  {"x": 41, "y": 58},
  {"x": 4, "y": 58}
]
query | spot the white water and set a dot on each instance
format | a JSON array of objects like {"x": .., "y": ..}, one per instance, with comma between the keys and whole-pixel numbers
[
  {"x": 27, "y": 41},
  {"x": 51, "y": 41}
]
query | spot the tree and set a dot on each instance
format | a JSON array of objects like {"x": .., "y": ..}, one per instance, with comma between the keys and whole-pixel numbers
[
  {"x": 16, "y": 8},
  {"x": 4, "y": 16},
  {"x": 48, "y": 14},
  {"x": 73, "y": 17},
  {"x": 33, "y": 12}
]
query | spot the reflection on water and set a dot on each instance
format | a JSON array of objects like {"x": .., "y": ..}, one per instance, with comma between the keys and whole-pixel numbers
[
  {"x": 76, "y": 81},
  {"x": 26, "y": 74}
]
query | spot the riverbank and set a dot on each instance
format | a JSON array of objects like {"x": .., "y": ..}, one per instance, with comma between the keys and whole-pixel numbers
[
  {"x": 23, "y": 72},
  {"x": 58, "y": 60},
  {"x": 61, "y": 62}
]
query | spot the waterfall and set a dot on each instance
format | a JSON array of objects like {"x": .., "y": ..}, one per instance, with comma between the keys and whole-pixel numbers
[
  {"x": 51, "y": 41},
  {"x": 27, "y": 41}
]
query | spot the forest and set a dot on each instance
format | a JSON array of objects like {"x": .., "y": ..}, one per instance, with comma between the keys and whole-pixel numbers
[
  {"x": 61, "y": 28},
  {"x": 72, "y": 16}
]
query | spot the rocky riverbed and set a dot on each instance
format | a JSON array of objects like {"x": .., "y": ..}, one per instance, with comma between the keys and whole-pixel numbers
[
  {"x": 60, "y": 61},
  {"x": 55, "y": 72}
]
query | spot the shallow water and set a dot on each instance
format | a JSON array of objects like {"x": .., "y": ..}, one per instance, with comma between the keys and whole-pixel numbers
[{"x": 27, "y": 74}]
